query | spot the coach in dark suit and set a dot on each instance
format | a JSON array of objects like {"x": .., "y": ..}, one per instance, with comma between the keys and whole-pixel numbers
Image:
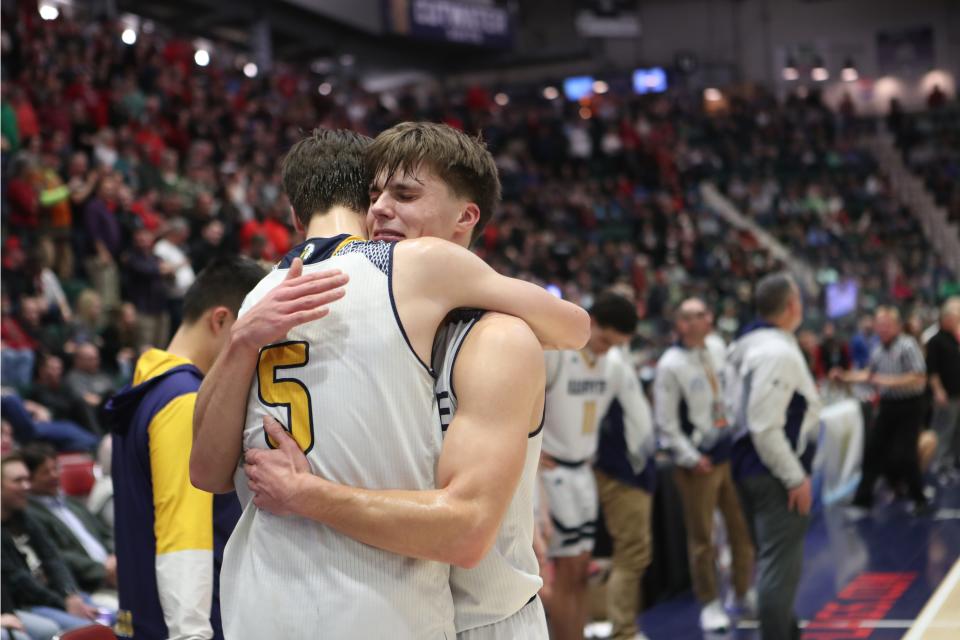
[{"x": 84, "y": 543}]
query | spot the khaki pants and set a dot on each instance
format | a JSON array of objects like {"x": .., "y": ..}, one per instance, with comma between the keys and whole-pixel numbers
[
  {"x": 626, "y": 510},
  {"x": 701, "y": 494},
  {"x": 153, "y": 329},
  {"x": 105, "y": 279}
]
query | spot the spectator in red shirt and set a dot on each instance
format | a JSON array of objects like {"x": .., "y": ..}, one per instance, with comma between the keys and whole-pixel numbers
[
  {"x": 16, "y": 348},
  {"x": 24, "y": 205}
]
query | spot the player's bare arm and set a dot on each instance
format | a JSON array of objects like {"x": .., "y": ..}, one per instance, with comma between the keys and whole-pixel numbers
[
  {"x": 219, "y": 414},
  {"x": 500, "y": 380},
  {"x": 433, "y": 277}
]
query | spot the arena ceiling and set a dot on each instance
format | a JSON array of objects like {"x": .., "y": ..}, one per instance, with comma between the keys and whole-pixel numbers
[{"x": 308, "y": 30}]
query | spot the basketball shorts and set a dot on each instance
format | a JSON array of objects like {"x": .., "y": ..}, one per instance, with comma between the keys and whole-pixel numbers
[{"x": 573, "y": 504}]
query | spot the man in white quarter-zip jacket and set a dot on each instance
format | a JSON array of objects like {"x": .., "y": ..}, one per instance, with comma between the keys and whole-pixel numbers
[
  {"x": 693, "y": 424},
  {"x": 776, "y": 408}
]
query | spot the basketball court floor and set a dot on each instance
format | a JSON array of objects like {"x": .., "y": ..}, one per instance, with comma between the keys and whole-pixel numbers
[{"x": 884, "y": 576}]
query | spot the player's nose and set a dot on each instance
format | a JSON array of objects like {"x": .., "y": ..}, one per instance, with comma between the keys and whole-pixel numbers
[{"x": 382, "y": 207}]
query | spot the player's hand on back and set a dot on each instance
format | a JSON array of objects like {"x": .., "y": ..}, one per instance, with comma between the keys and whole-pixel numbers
[
  {"x": 273, "y": 473},
  {"x": 297, "y": 300}
]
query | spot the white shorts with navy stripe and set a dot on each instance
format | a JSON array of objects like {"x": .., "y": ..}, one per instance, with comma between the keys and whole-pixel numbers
[
  {"x": 530, "y": 623},
  {"x": 573, "y": 504}
]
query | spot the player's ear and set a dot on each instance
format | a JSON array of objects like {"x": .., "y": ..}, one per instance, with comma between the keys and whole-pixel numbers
[
  {"x": 468, "y": 218},
  {"x": 219, "y": 319},
  {"x": 297, "y": 225}
]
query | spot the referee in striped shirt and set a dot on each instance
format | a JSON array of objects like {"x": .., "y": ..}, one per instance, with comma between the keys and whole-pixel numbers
[{"x": 898, "y": 371}]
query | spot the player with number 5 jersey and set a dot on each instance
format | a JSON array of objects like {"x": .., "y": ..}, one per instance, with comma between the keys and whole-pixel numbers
[{"x": 355, "y": 393}]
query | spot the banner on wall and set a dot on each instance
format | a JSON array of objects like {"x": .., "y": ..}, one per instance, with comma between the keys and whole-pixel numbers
[
  {"x": 485, "y": 24},
  {"x": 909, "y": 50}
]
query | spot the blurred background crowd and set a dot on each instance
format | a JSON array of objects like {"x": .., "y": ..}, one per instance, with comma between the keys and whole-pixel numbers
[{"x": 128, "y": 166}]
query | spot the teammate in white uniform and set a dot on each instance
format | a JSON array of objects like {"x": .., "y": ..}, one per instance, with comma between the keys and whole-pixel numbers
[
  {"x": 376, "y": 346},
  {"x": 580, "y": 387},
  {"x": 497, "y": 598}
]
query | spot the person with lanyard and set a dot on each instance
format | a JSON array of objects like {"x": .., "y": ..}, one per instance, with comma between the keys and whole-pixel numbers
[
  {"x": 692, "y": 423},
  {"x": 898, "y": 371}
]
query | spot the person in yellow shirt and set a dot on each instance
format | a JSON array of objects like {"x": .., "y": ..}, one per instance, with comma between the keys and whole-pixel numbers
[{"x": 169, "y": 535}]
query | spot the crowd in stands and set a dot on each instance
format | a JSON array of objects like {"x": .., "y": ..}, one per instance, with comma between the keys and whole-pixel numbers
[
  {"x": 930, "y": 142},
  {"x": 127, "y": 169}
]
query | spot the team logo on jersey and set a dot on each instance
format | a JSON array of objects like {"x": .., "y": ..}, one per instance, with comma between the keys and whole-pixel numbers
[
  {"x": 583, "y": 387},
  {"x": 698, "y": 385},
  {"x": 307, "y": 251}
]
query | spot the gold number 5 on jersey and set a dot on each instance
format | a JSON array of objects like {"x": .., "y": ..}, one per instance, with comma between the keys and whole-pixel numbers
[{"x": 289, "y": 393}]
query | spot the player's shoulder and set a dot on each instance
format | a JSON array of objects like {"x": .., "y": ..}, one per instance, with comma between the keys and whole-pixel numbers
[
  {"x": 616, "y": 357},
  {"x": 774, "y": 349},
  {"x": 507, "y": 335},
  {"x": 378, "y": 252},
  {"x": 672, "y": 357},
  {"x": 430, "y": 254}
]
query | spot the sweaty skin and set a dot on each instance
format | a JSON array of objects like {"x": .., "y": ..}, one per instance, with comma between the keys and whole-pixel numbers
[{"x": 431, "y": 278}]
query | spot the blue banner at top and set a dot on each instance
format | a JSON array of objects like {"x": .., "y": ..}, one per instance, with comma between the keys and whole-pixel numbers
[{"x": 455, "y": 21}]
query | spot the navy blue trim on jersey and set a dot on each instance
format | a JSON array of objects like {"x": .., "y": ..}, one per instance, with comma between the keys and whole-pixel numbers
[
  {"x": 396, "y": 315},
  {"x": 313, "y": 250},
  {"x": 473, "y": 319},
  {"x": 443, "y": 411},
  {"x": 758, "y": 323},
  {"x": 455, "y": 316},
  {"x": 543, "y": 420},
  {"x": 570, "y": 464}
]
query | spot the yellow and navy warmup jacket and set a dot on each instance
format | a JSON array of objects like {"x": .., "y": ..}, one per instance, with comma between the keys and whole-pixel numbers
[{"x": 169, "y": 535}]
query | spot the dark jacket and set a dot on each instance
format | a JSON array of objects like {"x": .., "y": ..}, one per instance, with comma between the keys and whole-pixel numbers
[
  {"x": 24, "y": 588},
  {"x": 145, "y": 285},
  {"x": 159, "y": 381},
  {"x": 87, "y": 572}
]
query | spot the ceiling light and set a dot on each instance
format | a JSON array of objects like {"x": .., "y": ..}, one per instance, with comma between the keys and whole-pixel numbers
[{"x": 49, "y": 11}]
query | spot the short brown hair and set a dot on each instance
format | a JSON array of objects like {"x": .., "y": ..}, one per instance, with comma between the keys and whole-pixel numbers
[
  {"x": 35, "y": 454},
  {"x": 462, "y": 162},
  {"x": 12, "y": 456},
  {"x": 326, "y": 169}
]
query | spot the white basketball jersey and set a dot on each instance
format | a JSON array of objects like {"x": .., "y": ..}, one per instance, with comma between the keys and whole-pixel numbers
[
  {"x": 508, "y": 577},
  {"x": 578, "y": 396},
  {"x": 361, "y": 405}
]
